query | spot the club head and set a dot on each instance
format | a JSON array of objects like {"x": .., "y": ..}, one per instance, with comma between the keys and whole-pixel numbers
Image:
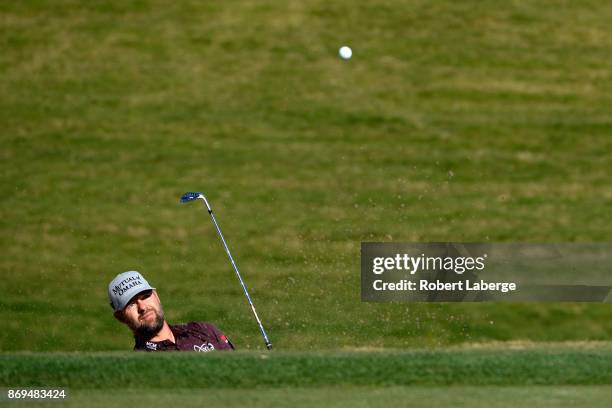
[{"x": 187, "y": 197}]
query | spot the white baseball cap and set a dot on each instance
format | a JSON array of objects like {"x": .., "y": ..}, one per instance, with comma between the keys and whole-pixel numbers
[{"x": 124, "y": 287}]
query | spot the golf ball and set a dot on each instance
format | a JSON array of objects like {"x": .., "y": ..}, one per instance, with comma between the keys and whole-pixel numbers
[{"x": 345, "y": 52}]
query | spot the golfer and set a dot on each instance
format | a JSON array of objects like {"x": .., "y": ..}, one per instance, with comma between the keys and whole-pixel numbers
[{"x": 137, "y": 305}]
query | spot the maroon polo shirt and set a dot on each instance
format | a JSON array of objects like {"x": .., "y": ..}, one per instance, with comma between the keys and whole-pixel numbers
[{"x": 193, "y": 336}]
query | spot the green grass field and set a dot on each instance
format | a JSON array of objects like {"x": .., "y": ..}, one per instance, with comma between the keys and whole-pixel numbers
[
  {"x": 472, "y": 121},
  {"x": 462, "y": 396},
  {"x": 537, "y": 376},
  {"x": 492, "y": 367},
  {"x": 478, "y": 121}
]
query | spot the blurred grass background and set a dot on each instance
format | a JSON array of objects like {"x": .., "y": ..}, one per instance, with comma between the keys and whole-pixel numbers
[{"x": 477, "y": 121}]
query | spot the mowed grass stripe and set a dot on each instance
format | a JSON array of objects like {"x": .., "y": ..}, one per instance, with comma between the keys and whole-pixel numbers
[
  {"x": 352, "y": 397},
  {"x": 245, "y": 370}
]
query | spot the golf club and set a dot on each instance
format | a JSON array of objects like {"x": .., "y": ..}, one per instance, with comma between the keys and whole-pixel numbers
[{"x": 187, "y": 197}]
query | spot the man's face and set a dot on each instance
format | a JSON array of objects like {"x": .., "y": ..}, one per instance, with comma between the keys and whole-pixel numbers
[{"x": 143, "y": 314}]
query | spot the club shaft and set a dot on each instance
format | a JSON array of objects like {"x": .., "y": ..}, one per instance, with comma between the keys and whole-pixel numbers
[{"x": 244, "y": 288}]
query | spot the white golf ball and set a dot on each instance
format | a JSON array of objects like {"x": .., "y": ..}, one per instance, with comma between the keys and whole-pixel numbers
[{"x": 345, "y": 52}]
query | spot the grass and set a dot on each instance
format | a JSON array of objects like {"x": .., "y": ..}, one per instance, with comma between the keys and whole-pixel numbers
[
  {"x": 460, "y": 396},
  {"x": 473, "y": 121},
  {"x": 256, "y": 370},
  {"x": 540, "y": 376}
]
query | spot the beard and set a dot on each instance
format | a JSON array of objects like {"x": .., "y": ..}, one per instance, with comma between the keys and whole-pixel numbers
[{"x": 146, "y": 329}]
